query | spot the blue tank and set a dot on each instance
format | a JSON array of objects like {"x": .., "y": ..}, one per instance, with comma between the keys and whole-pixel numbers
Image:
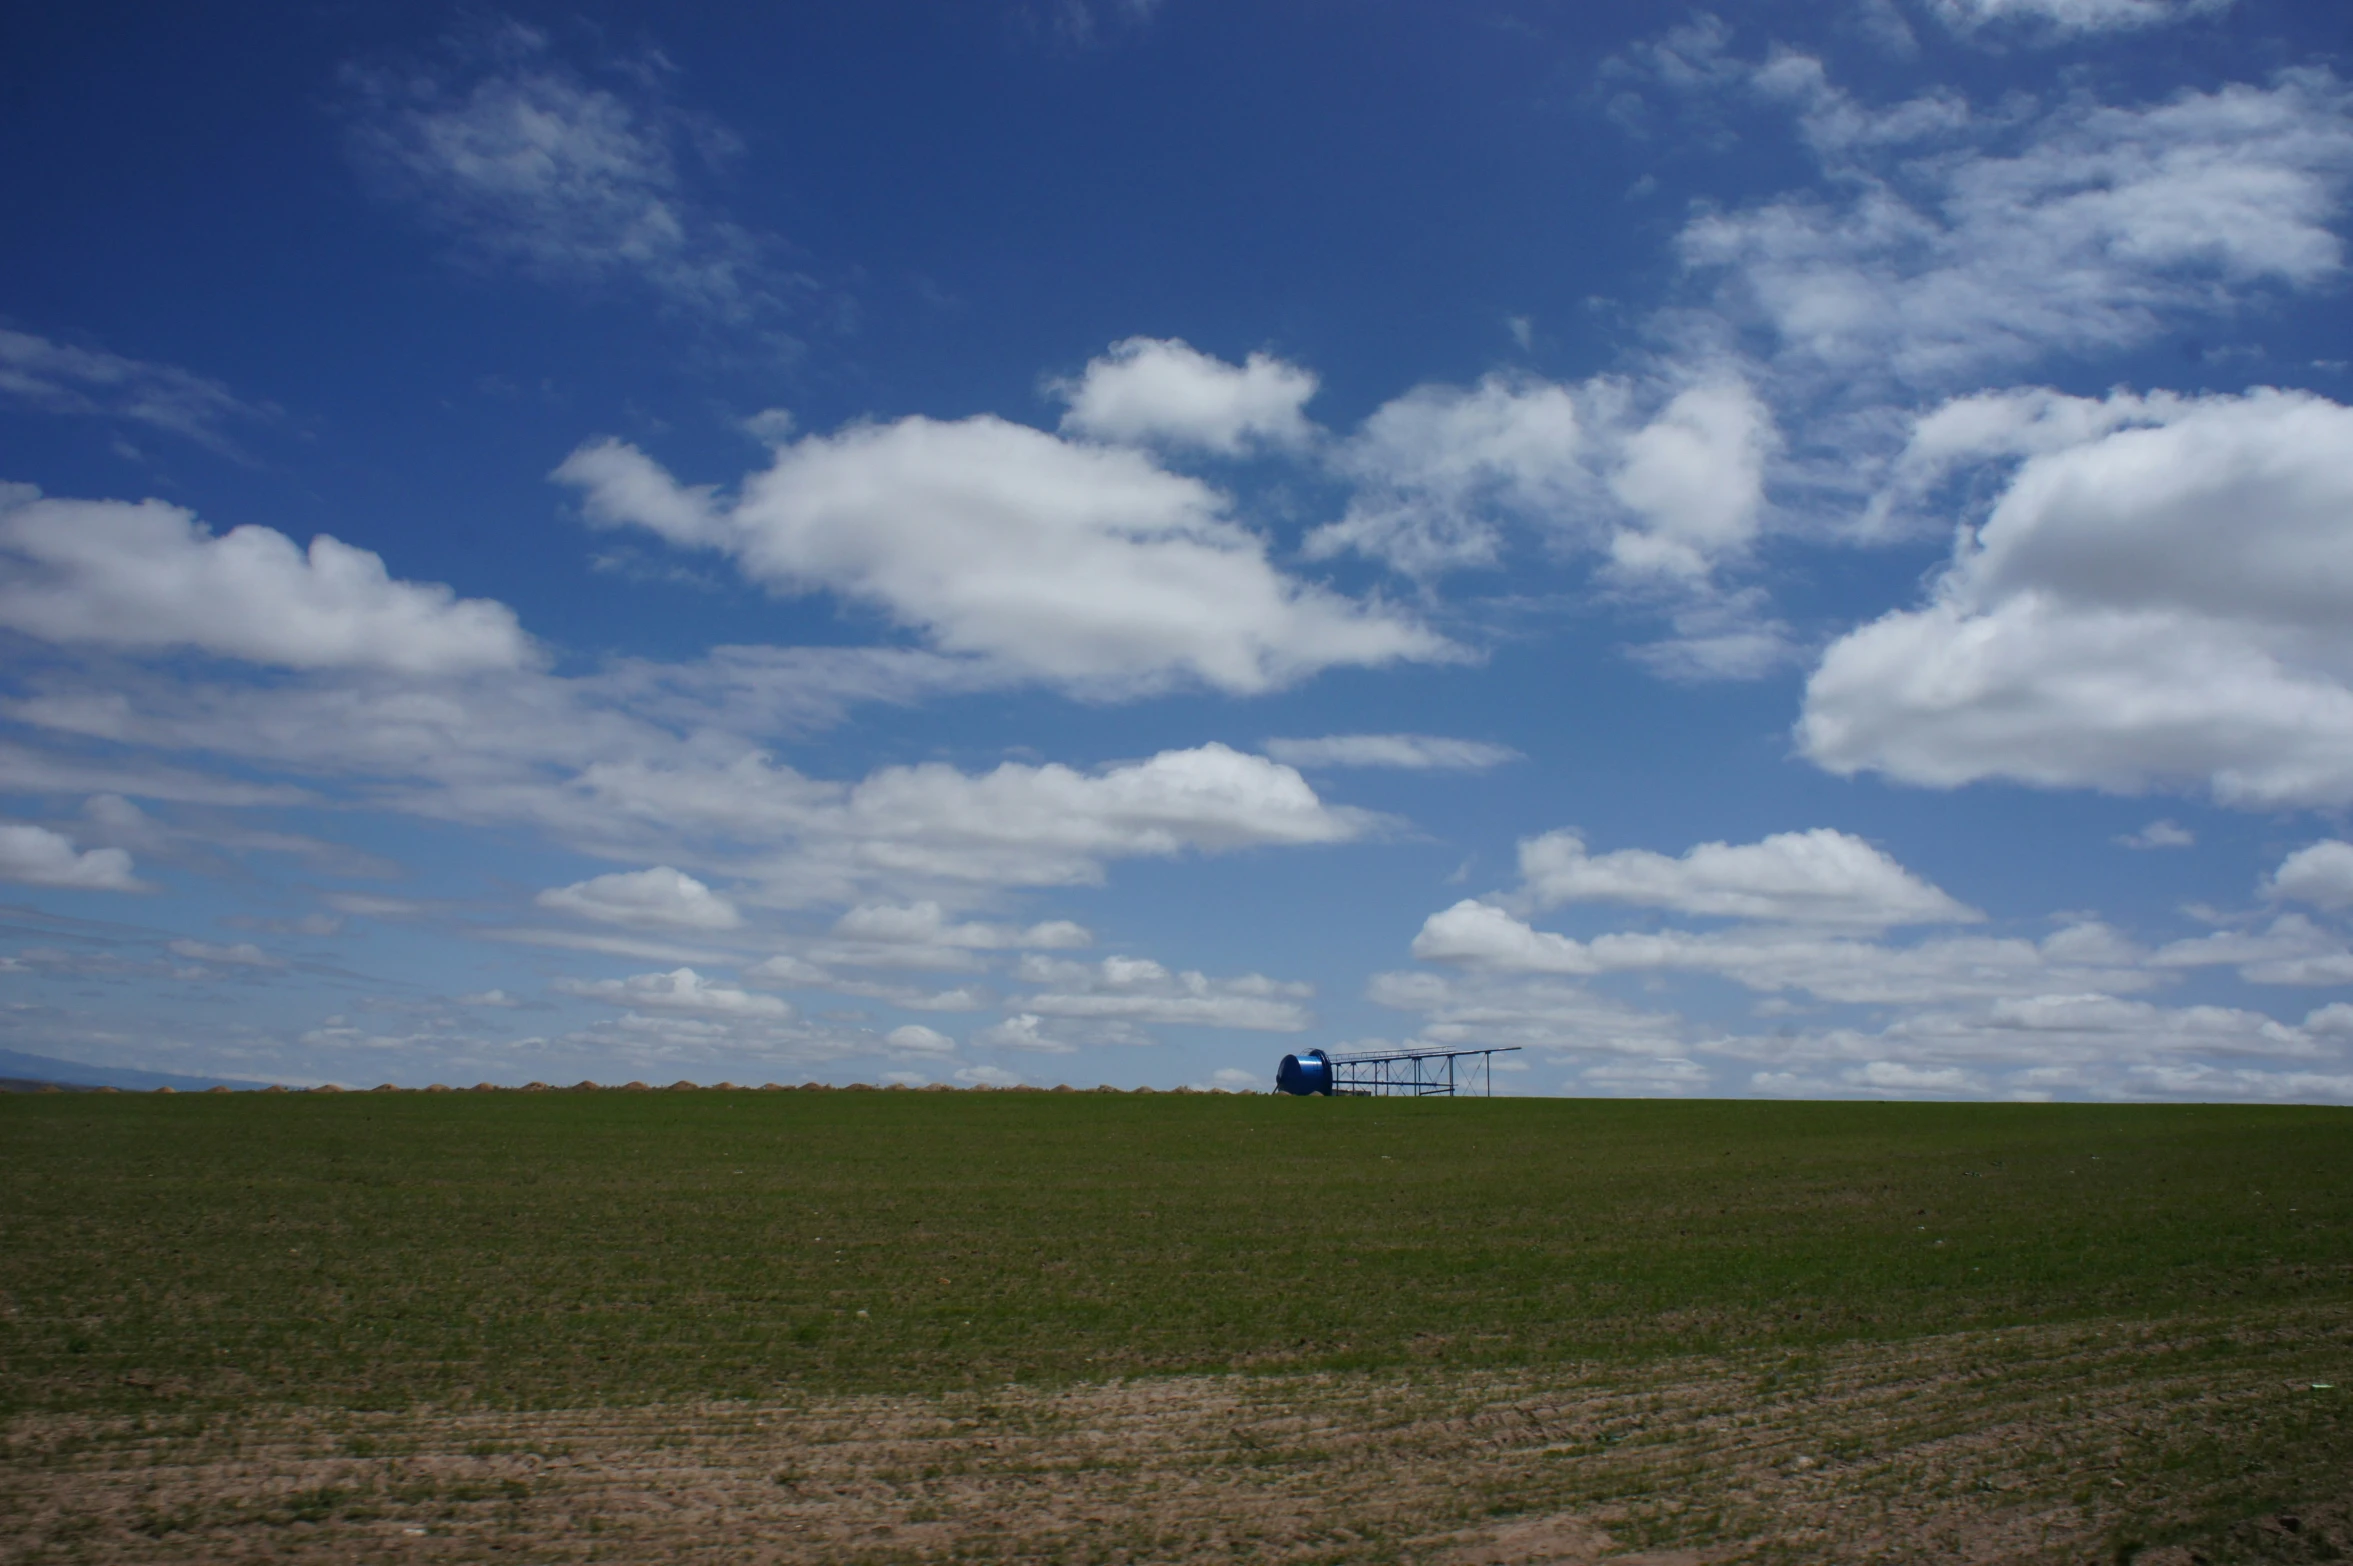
[{"x": 1304, "y": 1074}]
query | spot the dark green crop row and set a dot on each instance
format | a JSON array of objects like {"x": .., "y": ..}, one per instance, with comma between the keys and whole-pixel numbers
[{"x": 560, "y": 1249}]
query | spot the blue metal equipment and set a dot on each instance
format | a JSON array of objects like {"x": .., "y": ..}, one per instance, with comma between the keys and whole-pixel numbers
[
  {"x": 1410, "y": 1073},
  {"x": 1304, "y": 1074}
]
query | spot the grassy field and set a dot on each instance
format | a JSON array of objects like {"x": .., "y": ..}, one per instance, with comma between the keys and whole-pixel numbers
[
  {"x": 361, "y": 1255},
  {"x": 552, "y": 1249}
]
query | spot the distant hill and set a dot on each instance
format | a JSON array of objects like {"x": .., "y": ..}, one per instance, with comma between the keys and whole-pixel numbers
[{"x": 19, "y": 1072}]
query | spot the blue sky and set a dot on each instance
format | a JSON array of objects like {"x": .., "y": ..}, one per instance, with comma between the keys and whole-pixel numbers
[{"x": 1790, "y": 550}]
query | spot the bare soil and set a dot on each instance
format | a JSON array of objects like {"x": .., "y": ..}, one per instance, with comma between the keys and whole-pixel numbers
[{"x": 2158, "y": 1441}]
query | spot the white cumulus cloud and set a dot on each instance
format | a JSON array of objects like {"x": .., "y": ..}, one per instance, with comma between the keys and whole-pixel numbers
[
  {"x": 1439, "y": 470},
  {"x": 1768, "y": 959},
  {"x": 1821, "y": 877},
  {"x": 661, "y": 898},
  {"x": 1046, "y": 825},
  {"x": 920, "y": 935},
  {"x": 1149, "y": 389},
  {"x": 1695, "y": 477},
  {"x": 989, "y": 1076},
  {"x": 2150, "y": 606},
  {"x": 150, "y": 576},
  {"x": 35, "y": 856},
  {"x": 600, "y": 764},
  {"x": 916, "y": 1039},
  {"x": 2292, "y": 950},
  {"x": 1481, "y": 935},
  {"x": 2080, "y": 1045},
  {"x": 1089, "y": 566},
  {"x": 1139, "y": 990},
  {"x": 2321, "y": 874},
  {"x": 681, "y": 990},
  {"x": 1444, "y": 476}
]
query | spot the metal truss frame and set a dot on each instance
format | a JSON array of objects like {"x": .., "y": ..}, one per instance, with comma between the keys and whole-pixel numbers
[{"x": 1417, "y": 1073}]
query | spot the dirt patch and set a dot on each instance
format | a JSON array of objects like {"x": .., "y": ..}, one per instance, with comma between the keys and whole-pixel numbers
[
  {"x": 1546, "y": 1541},
  {"x": 2025, "y": 1446},
  {"x": 2311, "y": 1533}
]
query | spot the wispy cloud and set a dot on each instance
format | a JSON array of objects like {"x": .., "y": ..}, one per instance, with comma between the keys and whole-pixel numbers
[
  {"x": 55, "y": 377},
  {"x": 1960, "y": 241},
  {"x": 533, "y": 166},
  {"x": 1412, "y": 752},
  {"x": 2050, "y": 21},
  {"x": 1082, "y": 24}
]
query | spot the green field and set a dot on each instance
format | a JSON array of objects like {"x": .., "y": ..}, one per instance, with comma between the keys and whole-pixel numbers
[
  {"x": 554, "y": 1250},
  {"x": 842, "y": 1327}
]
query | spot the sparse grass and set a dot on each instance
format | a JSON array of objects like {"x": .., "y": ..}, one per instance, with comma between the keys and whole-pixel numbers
[{"x": 555, "y": 1250}]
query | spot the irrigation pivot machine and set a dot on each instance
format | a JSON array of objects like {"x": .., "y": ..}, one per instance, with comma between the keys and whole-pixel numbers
[{"x": 1410, "y": 1073}]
